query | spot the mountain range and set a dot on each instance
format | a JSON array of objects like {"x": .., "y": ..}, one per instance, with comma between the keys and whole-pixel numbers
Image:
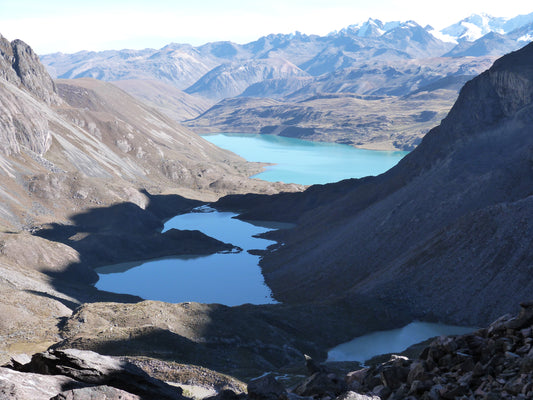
[{"x": 392, "y": 59}]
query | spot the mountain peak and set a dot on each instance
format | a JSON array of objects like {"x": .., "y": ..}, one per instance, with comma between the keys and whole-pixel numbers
[
  {"x": 475, "y": 26},
  {"x": 21, "y": 66},
  {"x": 373, "y": 28}
]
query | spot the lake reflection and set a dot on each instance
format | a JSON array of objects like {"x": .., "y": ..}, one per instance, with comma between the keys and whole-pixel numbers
[{"x": 229, "y": 278}]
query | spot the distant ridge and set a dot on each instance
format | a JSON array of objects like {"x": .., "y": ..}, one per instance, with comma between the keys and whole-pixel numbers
[{"x": 399, "y": 59}]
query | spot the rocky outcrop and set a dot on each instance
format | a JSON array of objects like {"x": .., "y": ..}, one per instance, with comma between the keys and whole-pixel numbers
[
  {"x": 96, "y": 392},
  {"x": 16, "y": 385},
  {"x": 74, "y": 374},
  {"x": 21, "y": 66},
  {"x": 491, "y": 363},
  {"x": 266, "y": 388},
  {"x": 22, "y": 124}
]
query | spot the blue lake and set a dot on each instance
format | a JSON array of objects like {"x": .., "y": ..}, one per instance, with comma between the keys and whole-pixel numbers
[
  {"x": 305, "y": 162},
  {"x": 365, "y": 347},
  {"x": 236, "y": 278},
  {"x": 226, "y": 278}
]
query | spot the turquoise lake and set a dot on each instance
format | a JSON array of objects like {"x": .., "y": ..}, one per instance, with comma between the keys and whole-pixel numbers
[{"x": 305, "y": 162}]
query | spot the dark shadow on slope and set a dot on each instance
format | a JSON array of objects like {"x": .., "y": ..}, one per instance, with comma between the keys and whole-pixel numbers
[
  {"x": 69, "y": 304},
  {"x": 122, "y": 233}
]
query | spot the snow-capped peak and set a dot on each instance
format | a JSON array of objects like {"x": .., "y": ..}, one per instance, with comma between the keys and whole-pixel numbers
[
  {"x": 474, "y": 27},
  {"x": 373, "y": 28}
]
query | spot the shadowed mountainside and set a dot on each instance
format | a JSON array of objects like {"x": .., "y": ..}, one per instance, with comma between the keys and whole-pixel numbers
[{"x": 446, "y": 233}]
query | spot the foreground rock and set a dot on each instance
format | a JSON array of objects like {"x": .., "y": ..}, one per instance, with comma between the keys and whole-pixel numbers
[
  {"x": 16, "y": 385},
  {"x": 242, "y": 341},
  {"x": 491, "y": 363},
  {"x": 76, "y": 374}
]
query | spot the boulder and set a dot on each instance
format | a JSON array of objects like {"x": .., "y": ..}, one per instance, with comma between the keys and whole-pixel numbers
[
  {"x": 96, "y": 393},
  {"x": 524, "y": 318},
  {"x": 321, "y": 384},
  {"x": 266, "y": 387},
  {"x": 227, "y": 394},
  {"x": 356, "y": 396},
  {"x": 92, "y": 368},
  {"x": 15, "y": 385}
]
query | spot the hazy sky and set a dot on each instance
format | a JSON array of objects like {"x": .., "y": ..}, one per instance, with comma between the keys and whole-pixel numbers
[{"x": 72, "y": 25}]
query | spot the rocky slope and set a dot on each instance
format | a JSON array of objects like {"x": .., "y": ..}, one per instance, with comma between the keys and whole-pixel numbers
[
  {"x": 231, "y": 79},
  {"x": 82, "y": 169},
  {"x": 88, "y": 130},
  {"x": 450, "y": 220},
  {"x": 166, "y": 98},
  {"x": 341, "y": 118},
  {"x": 244, "y": 341},
  {"x": 490, "y": 363}
]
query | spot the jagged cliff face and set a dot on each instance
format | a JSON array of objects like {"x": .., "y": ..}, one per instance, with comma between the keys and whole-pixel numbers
[
  {"x": 447, "y": 232},
  {"x": 21, "y": 66},
  {"x": 21, "y": 124}
]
